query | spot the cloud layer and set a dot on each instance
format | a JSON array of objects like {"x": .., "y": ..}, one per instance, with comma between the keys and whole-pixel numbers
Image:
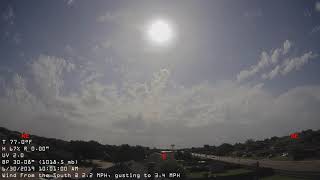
[{"x": 157, "y": 112}]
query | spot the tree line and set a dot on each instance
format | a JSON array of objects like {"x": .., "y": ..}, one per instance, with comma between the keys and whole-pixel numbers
[{"x": 305, "y": 146}]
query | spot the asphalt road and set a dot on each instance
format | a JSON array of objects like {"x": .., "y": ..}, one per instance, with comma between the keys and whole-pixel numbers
[{"x": 305, "y": 166}]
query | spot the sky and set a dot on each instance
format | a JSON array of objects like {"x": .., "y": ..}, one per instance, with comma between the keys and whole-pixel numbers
[{"x": 235, "y": 70}]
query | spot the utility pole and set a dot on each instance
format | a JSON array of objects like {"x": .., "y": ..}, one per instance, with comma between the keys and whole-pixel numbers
[{"x": 172, "y": 147}]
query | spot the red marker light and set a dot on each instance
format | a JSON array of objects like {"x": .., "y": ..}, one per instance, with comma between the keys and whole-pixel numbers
[
  {"x": 294, "y": 136},
  {"x": 164, "y": 155},
  {"x": 25, "y": 135}
]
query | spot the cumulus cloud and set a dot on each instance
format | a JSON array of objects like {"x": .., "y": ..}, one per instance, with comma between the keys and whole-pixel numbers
[
  {"x": 153, "y": 112},
  {"x": 289, "y": 65},
  {"x": 280, "y": 60},
  {"x": 244, "y": 74},
  {"x": 266, "y": 59},
  {"x": 298, "y": 62}
]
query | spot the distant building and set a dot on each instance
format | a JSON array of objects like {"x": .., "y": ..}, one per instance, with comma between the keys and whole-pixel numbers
[
  {"x": 162, "y": 156},
  {"x": 167, "y": 155}
]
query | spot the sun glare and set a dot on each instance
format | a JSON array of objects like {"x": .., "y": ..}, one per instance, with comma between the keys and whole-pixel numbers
[{"x": 160, "y": 32}]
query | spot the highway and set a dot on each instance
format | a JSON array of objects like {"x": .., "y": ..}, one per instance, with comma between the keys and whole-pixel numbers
[{"x": 303, "y": 166}]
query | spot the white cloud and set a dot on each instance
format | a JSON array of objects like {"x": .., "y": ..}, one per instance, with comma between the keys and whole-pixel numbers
[
  {"x": 266, "y": 59},
  {"x": 286, "y": 46},
  {"x": 154, "y": 112},
  {"x": 275, "y": 56},
  {"x": 122, "y": 17},
  {"x": 290, "y": 64},
  {"x": 18, "y": 93},
  {"x": 297, "y": 62},
  {"x": 272, "y": 73},
  {"x": 70, "y": 2},
  {"x": 47, "y": 74},
  {"x": 69, "y": 50},
  {"x": 317, "y": 6},
  {"x": 279, "y": 67}
]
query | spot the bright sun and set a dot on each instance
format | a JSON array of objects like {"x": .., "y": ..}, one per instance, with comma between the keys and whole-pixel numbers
[{"x": 160, "y": 32}]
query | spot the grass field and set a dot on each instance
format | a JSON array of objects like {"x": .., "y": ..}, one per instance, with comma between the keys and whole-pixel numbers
[{"x": 280, "y": 158}]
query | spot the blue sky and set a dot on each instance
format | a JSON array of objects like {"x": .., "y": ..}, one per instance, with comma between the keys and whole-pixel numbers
[{"x": 236, "y": 70}]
